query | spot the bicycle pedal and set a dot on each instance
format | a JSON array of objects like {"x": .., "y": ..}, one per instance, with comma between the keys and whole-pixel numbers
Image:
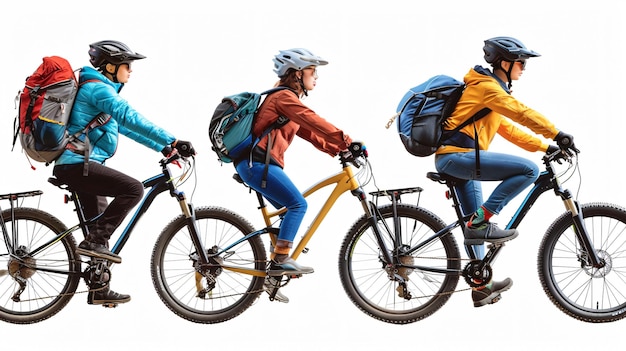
[
  {"x": 496, "y": 299},
  {"x": 110, "y": 305},
  {"x": 495, "y": 245}
]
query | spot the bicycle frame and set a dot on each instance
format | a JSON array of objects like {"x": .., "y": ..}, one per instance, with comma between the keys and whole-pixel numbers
[
  {"x": 547, "y": 180},
  {"x": 343, "y": 181},
  {"x": 156, "y": 185}
]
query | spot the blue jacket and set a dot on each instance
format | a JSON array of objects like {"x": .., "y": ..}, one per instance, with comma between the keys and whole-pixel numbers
[{"x": 102, "y": 96}]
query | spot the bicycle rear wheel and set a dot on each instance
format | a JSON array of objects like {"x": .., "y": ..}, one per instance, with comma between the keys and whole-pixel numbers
[
  {"x": 174, "y": 267},
  {"x": 35, "y": 285},
  {"x": 369, "y": 281},
  {"x": 579, "y": 290}
]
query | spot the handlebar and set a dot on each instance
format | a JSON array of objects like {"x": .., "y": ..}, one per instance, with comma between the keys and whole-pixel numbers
[
  {"x": 357, "y": 150},
  {"x": 172, "y": 158},
  {"x": 561, "y": 155}
]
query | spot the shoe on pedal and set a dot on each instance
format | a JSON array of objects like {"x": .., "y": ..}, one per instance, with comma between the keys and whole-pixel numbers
[
  {"x": 287, "y": 266},
  {"x": 269, "y": 285},
  {"x": 489, "y": 232},
  {"x": 106, "y": 296},
  {"x": 490, "y": 293},
  {"x": 91, "y": 249}
]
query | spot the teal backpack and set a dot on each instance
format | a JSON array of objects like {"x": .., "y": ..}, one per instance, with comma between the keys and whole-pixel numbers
[{"x": 230, "y": 129}]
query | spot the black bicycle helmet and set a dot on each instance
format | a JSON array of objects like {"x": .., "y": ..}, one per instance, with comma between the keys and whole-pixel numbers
[
  {"x": 113, "y": 52},
  {"x": 506, "y": 49},
  {"x": 509, "y": 49}
]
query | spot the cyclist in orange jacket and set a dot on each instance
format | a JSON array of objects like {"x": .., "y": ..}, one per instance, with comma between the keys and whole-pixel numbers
[{"x": 297, "y": 70}]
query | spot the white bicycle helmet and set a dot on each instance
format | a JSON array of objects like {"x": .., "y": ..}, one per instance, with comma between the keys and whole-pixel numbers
[{"x": 297, "y": 59}]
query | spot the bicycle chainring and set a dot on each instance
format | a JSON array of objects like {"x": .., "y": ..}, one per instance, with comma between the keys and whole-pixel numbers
[
  {"x": 97, "y": 274},
  {"x": 477, "y": 273}
]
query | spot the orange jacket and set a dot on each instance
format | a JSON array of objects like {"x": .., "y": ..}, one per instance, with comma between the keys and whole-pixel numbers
[
  {"x": 484, "y": 90},
  {"x": 304, "y": 123}
]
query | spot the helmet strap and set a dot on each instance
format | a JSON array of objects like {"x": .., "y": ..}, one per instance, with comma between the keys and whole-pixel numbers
[
  {"x": 112, "y": 74},
  {"x": 507, "y": 72},
  {"x": 304, "y": 90},
  {"x": 508, "y": 75}
]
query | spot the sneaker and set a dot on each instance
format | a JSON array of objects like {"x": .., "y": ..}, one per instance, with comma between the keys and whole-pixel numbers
[
  {"x": 490, "y": 293},
  {"x": 106, "y": 296},
  {"x": 489, "y": 232},
  {"x": 91, "y": 249},
  {"x": 288, "y": 266},
  {"x": 269, "y": 285}
]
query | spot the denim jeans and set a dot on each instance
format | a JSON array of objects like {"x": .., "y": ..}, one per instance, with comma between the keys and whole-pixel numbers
[
  {"x": 280, "y": 192},
  {"x": 515, "y": 173}
]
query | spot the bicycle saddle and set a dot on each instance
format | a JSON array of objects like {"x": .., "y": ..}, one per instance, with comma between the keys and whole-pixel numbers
[{"x": 443, "y": 178}]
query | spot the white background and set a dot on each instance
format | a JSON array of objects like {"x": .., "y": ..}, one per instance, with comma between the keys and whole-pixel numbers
[{"x": 199, "y": 52}]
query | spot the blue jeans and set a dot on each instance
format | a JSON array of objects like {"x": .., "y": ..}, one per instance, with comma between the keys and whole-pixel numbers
[
  {"x": 515, "y": 173},
  {"x": 280, "y": 192}
]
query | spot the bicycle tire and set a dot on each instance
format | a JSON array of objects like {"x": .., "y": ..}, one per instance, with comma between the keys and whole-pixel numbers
[
  {"x": 585, "y": 293},
  {"x": 174, "y": 275},
  {"x": 46, "y": 292},
  {"x": 368, "y": 284}
]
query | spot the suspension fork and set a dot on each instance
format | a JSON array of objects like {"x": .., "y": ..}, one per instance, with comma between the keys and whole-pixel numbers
[
  {"x": 190, "y": 217},
  {"x": 580, "y": 230},
  {"x": 373, "y": 215}
]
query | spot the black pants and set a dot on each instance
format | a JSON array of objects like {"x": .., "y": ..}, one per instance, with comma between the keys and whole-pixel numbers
[{"x": 93, "y": 190}]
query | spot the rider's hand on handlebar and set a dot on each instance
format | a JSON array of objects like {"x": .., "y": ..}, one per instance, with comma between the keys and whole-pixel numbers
[
  {"x": 184, "y": 148},
  {"x": 167, "y": 150},
  {"x": 566, "y": 143},
  {"x": 346, "y": 155},
  {"x": 555, "y": 150}
]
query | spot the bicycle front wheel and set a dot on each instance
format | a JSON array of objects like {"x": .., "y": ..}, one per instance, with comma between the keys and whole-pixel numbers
[
  {"x": 175, "y": 271},
  {"x": 372, "y": 284},
  {"x": 578, "y": 289},
  {"x": 38, "y": 274}
]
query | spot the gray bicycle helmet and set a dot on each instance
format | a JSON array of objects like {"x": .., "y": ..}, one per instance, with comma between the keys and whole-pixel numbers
[
  {"x": 297, "y": 59},
  {"x": 506, "y": 49},
  {"x": 113, "y": 52}
]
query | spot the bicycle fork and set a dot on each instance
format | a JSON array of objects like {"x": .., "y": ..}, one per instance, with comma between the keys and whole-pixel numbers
[
  {"x": 591, "y": 256},
  {"x": 204, "y": 268},
  {"x": 397, "y": 269}
]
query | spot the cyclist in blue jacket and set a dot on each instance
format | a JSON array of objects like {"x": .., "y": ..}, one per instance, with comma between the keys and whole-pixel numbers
[{"x": 82, "y": 165}]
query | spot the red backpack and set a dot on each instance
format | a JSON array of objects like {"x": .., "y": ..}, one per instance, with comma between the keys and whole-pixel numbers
[{"x": 45, "y": 105}]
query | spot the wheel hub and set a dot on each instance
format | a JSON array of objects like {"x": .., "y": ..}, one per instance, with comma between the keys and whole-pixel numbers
[
  {"x": 23, "y": 266},
  {"x": 603, "y": 271}
]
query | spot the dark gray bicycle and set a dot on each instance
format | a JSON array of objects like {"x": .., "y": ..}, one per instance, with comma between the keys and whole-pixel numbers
[{"x": 403, "y": 264}]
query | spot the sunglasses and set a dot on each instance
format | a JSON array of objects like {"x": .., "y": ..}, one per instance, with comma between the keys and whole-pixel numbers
[
  {"x": 314, "y": 69},
  {"x": 523, "y": 62}
]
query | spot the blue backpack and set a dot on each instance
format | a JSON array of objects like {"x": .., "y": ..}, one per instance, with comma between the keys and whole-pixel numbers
[{"x": 423, "y": 110}]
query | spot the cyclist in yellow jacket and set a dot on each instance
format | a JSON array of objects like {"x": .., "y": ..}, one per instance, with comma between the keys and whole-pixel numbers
[{"x": 457, "y": 157}]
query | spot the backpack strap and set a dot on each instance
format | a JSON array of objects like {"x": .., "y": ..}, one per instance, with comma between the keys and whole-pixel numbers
[
  {"x": 478, "y": 115},
  {"x": 281, "y": 121},
  {"x": 99, "y": 120}
]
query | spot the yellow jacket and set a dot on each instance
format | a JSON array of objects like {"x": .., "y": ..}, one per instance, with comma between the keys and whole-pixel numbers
[{"x": 485, "y": 90}]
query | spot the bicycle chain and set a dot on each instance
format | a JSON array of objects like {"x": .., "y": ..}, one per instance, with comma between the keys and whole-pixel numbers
[
  {"x": 62, "y": 295},
  {"x": 262, "y": 289}
]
